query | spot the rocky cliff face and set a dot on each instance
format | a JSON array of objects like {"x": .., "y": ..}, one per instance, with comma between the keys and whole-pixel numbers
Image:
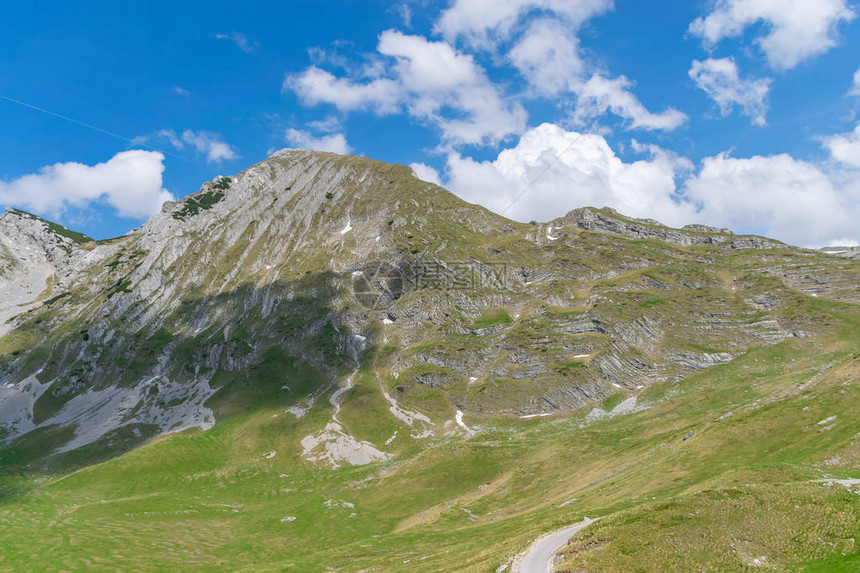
[{"x": 273, "y": 285}]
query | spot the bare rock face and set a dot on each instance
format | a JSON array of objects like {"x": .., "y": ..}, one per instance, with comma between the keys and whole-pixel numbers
[
  {"x": 271, "y": 286},
  {"x": 847, "y": 252},
  {"x": 609, "y": 220},
  {"x": 36, "y": 258}
]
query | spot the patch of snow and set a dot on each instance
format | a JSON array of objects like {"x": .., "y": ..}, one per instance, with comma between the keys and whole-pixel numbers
[
  {"x": 346, "y": 229},
  {"x": 288, "y": 519},
  {"x": 581, "y": 355},
  {"x": 391, "y": 439},
  {"x": 387, "y": 321},
  {"x": 541, "y": 415},
  {"x": 458, "y": 417},
  {"x": 826, "y": 420}
]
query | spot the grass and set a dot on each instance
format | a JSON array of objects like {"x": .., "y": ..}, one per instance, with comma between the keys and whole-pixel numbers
[
  {"x": 493, "y": 318},
  {"x": 672, "y": 481},
  {"x": 57, "y": 229},
  {"x": 212, "y": 499},
  {"x": 203, "y": 201}
]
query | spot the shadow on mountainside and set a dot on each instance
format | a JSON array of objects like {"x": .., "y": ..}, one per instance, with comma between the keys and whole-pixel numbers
[{"x": 255, "y": 347}]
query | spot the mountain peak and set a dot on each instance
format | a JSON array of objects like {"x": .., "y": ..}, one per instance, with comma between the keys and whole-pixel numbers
[{"x": 28, "y": 222}]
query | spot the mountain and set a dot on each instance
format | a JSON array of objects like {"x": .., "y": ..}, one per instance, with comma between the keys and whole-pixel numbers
[{"x": 321, "y": 329}]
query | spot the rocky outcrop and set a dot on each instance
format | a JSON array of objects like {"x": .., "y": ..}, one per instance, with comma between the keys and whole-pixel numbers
[
  {"x": 274, "y": 274},
  {"x": 610, "y": 221}
]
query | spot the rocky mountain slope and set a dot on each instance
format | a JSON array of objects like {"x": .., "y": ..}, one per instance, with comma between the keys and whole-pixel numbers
[
  {"x": 324, "y": 363},
  {"x": 272, "y": 285}
]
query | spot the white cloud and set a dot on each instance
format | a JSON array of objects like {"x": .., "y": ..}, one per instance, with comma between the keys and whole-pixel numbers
[
  {"x": 797, "y": 29},
  {"x": 210, "y": 145},
  {"x": 777, "y": 196},
  {"x": 442, "y": 86},
  {"x": 405, "y": 13},
  {"x": 178, "y": 90},
  {"x": 426, "y": 173},
  {"x": 587, "y": 173},
  {"x": 720, "y": 80},
  {"x": 546, "y": 52},
  {"x": 333, "y": 142},
  {"x": 130, "y": 182},
  {"x": 206, "y": 143},
  {"x": 547, "y": 55},
  {"x": 430, "y": 80},
  {"x": 240, "y": 40},
  {"x": 477, "y": 21},
  {"x": 845, "y": 147},
  {"x": 855, "y": 89},
  {"x": 315, "y": 86},
  {"x": 601, "y": 94}
]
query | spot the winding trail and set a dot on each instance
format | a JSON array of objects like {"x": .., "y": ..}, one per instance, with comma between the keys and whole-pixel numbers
[{"x": 538, "y": 558}]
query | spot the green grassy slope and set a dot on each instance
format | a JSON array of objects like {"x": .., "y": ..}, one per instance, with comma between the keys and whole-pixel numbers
[
  {"x": 761, "y": 431},
  {"x": 712, "y": 469}
]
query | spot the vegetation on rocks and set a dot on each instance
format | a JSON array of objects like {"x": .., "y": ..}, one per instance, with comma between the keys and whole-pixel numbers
[{"x": 167, "y": 408}]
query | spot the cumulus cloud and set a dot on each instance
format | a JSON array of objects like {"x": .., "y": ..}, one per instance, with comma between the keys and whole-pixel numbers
[
  {"x": 845, "y": 147},
  {"x": 778, "y": 196},
  {"x": 426, "y": 173},
  {"x": 545, "y": 50},
  {"x": 796, "y": 29},
  {"x": 431, "y": 81},
  {"x": 440, "y": 84},
  {"x": 130, "y": 182},
  {"x": 332, "y": 142},
  {"x": 600, "y": 94},
  {"x": 315, "y": 86},
  {"x": 204, "y": 142},
  {"x": 719, "y": 79},
  {"x": 547, "y": 55},
  {"x": 564, "y": 170},
  {"x": 240, "y": 40},
  {"x": 479, "y": 22}
]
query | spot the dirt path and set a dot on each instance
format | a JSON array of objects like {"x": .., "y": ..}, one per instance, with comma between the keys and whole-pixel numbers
[{"x": 539, "y": 557}]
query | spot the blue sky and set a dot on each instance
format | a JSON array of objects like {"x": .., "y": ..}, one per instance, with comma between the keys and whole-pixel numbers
[{"x": 737, "y": 113}]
